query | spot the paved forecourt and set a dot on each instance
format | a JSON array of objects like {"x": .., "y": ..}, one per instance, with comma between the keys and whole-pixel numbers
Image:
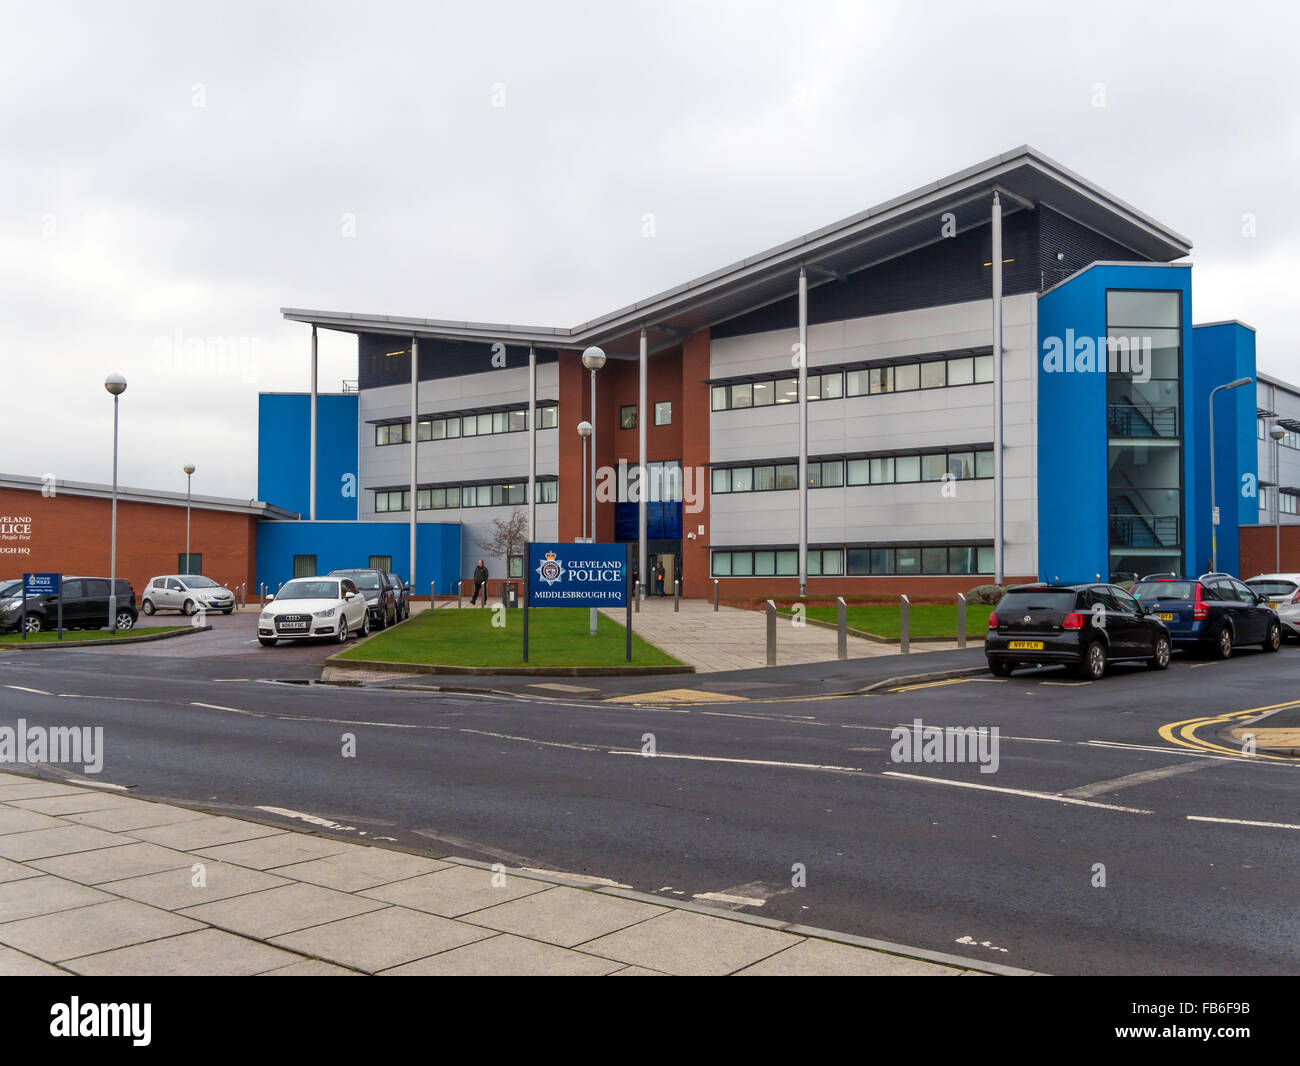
[{"x": 96, "y": 882}]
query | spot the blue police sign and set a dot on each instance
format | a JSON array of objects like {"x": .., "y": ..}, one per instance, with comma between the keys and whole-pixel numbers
[
  {"x": 577, "y": 575},
  {"x": 41, "y": 584}
]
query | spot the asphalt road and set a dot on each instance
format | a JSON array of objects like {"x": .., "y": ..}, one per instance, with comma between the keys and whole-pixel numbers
[{"x": 999, "y": 866}]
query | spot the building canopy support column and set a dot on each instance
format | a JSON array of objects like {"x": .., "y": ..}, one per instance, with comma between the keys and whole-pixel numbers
[
  {"x": 999, "y": 569},
  {"x": 643, "y": 557},
  {"x": 532, "y": 446},
  {"x": 803, "y": 432},
  {"x": 415, "y": 433},
  {"x": 311, "y": 507}
]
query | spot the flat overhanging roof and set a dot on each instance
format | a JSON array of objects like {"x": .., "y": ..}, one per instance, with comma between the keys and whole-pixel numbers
[
  {"x": 255, "y": 508},
  {"x": 1024, "y": 177}
]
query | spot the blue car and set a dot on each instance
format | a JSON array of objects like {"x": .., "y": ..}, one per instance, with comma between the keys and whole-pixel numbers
[{"x": 1211, "y": 614}]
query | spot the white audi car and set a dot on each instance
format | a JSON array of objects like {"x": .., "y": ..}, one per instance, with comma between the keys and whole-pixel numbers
[{"x": 313, "y": 607}]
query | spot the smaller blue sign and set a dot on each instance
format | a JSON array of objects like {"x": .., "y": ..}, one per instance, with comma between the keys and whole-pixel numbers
[
  {"x": 577, "y": 575},
  {"x": 41, "y": 584}
]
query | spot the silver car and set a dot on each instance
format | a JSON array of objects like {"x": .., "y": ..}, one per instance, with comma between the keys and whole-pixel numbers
[
  {"x": 1283, "y": 594},
  {"x": 187, "y": 593}
]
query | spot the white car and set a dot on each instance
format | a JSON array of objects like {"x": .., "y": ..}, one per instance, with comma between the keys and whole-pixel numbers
[
  {"x": 187, "y": 593},
  {"x": 314, "y": 607},
  {"x": 1283, "y": 594}
]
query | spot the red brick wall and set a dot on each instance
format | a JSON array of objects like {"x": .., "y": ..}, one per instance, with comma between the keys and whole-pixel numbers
[
  {"x": 695, "y": 454},
  {"x": 72, "y": 535},
  {"x": 1258, "y": 550}
]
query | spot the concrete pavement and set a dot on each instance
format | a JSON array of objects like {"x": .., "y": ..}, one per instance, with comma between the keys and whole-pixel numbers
[{"x": 97, "y": 882}]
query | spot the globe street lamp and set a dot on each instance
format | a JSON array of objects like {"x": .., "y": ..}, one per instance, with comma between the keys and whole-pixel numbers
[
  {"x": 1214, "y": 510},
  {"x": 593, "y": 359},
  {"x": 1277, "y": 433},
  {"x": 189, "y": 473},
  {"x": 116, "y": 385}
]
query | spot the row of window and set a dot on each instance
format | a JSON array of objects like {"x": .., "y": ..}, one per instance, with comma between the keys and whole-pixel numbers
[
  {"x": 1287, "y": 501},
  {"x": 872, "y": 381},
  {"x": 663, "y": 415},
  {"x": 856, "y": 562},
  {"x": 455, "y": 496},
  {"x": 449, "y": 427},
  {"x": 832, "y": 473},
  {"x": 1290, "y": 440}
]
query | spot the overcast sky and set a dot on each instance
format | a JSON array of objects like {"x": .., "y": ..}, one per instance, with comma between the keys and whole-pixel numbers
[{"x": 176, "y": 173}]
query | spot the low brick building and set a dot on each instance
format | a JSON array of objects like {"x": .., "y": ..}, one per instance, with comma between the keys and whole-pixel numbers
[{"x": 66, "y": 527}]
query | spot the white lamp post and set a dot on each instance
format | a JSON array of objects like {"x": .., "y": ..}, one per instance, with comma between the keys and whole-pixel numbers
[
  {"x": 1277, "y": 433},
  {"x": 1214, "y": 510},
  {"x": 593, "y": 359},
  {"x": 116, "y": 385},
  {"x": 586, "y": 430},
  {"x": 189, "y": 473}
]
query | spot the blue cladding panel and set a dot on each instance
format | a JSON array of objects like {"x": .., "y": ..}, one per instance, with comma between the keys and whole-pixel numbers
[
  {"x": 344, "y": 545},
  {"x": 284, "y": 453},
  {"x": 1223, "y": 353}
]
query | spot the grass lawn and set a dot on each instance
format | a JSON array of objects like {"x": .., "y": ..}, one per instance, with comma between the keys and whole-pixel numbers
[
  {"x": 557, "y": 636},
  {"x": 69, "y": 635},
  {"x": 929, "y": 621}
]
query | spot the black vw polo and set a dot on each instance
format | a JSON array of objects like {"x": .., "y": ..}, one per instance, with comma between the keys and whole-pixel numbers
[{"x": 1084, "y": 626}]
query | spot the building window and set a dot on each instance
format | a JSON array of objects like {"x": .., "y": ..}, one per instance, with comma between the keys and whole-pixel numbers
[
  {"x": 451, "y": 426},
  {"x": 393, "y": 433},
  {"x": 663, "y": 483},
  {"x": 965, "y": 465},
  {"x": 547, "y": 491},
  {"x": 381, "y": 562},
  {"x": 889, "y": 560},
  {"x": 627, "y": 416},
  {"x": 191, "y": 564},
  {"x": 663, "y": 413},
  {"x": 389, "y": 501},
  {"x": 515, "y": 566},
  {"x": 304, "y": 566},
  {"x": 548, "y": 417},
  {"x": 1288, "y": 502}
]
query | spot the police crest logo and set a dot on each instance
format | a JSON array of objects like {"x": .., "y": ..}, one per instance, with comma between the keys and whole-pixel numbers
[{"x": 551, "y": 570}]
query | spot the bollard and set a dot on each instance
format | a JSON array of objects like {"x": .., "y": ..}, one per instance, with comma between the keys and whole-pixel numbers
[
  {"x": 715, "y": 594},
  {"x": 458, "y": 584},
  {"x": 636, "y": 594},
  {"x": 771, "y": 633},
  {"x": 961, "y": 620},
  {"x": 842, "y": 628},
  {"x": 261, "y": 591},
  {"x": 677, "y": 595},
  {"x": 904, "y": 624}
]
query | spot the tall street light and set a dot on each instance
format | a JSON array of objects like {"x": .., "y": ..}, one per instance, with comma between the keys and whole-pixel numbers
[
  {"x": 584, "y": 431},
  {"x": 593, "y": 359},
  {"x": 116, "y": 385},
  {"x": 1214, "y": 510},
  {"x": 189, "y": 473},
  {"x": 1277, "y": 433}
]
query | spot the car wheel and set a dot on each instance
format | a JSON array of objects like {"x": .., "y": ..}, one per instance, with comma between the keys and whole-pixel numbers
[
  {"x": 227, "y": 610},
  {"x": 34, "y": 623},
  {"x": 382, "y": 623},
  {"x": 1093, "y": 667},
  {"x": 147, "y": 606},
  {"x": 365, "y": 624},
  {"x": 1160, "y": 660},
  {"x": 1223, "y": 643},
  {"x": 998, "y": 668},
  {"x": 125, "y": 620},
  {"x": 1274, "y": 639},
  {"x": 189, "y": 608},
  {"x": 342, "y": 638},
  {"x": 267, "y": 642}
]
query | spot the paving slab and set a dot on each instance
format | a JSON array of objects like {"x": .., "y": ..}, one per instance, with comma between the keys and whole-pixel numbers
[
  {"x": 204, "y": 832},
  {"x": 89, "y": 930},
  {"x": 139, "y": 816},
  {"x": 15, "y": 871},
  {"x": 564, "y": 916},
  {"x": 64, "y": 840},
  {"x": 505, "y": 955},
  {"x": 685, "y": 943},
  {"x": 382, "y": 939},
  {"x": 824, "y": 958},
  {"x": 274, "y": 911},
  {"x": 263, "y": 853},
  {"x": 75, "y": 804},
  {"x": 14, "y": 819},
  {"x": 44, "y": 895},
  {"x": 129, "y": 859},
  {"x": 26, "y": 788},
  {"x": 16, "y": 964},
  {"x": 310, "y": 968},
  {"x": 205, "y": 952},
  {"x": 174, "y": 890},
  {"x": 454, "y": 891},
  {"x": 361, "y": 868}
]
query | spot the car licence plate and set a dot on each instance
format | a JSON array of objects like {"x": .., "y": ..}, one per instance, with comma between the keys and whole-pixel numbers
[
  {"x": 1166, "y": 617},
  {"x": 293, "y": 625},
  {"x": 1026, "y": 645}
]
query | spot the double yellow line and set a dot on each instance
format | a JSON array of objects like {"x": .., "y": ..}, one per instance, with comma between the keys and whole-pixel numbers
[{"x": 1184, "y": 733}]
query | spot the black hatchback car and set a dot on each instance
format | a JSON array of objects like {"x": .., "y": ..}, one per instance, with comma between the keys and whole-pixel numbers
[
  {"x": 1083, "y": 626},
  {"x": 1211, "y": 614},
  {"x": 381, "y": 599},
  {"x": 85, "y": 606}
]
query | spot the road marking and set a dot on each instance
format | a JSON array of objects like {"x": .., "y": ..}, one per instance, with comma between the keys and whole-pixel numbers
[
  {"x": 1181, "y": 752},
  {"x": 931, "y": 684},
  {"x": 677, "y": 695},
  {"x": 34, "y": 691},
  {"x": 745, "y": 762},
  {"x": 84, "y": 696},
  {"x": 1184, "y": 733},
  {"x": 586, "y": 879},
  {"x": 1054, "y": 796},
  {"x": 1239, "y": 821},
  {"x": 324, "y": 823},
  {"x": 723, "y": 897},
  {"x": 970, "y": 940},
  {"x": 534, "y": 740},
  {"x": 1142, "y": 777},
  {"x": 232, "y": 710}
]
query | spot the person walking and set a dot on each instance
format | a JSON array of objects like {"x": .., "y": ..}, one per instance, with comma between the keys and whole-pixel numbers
[
  {"x": 659, "y": 578},
  {"x": 480, "y": 583}
]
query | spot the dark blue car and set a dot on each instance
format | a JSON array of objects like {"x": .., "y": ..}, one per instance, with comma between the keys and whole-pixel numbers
[{"x": 1210, "y": 614}]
